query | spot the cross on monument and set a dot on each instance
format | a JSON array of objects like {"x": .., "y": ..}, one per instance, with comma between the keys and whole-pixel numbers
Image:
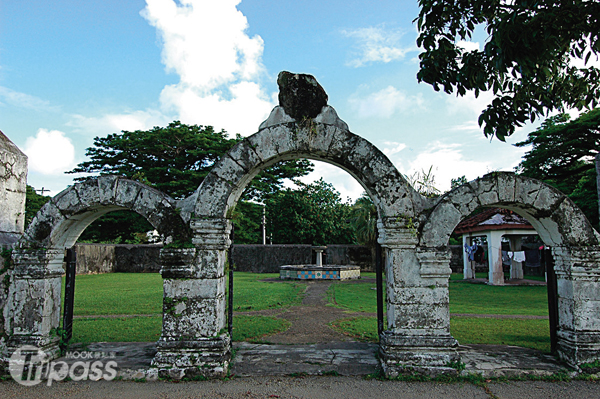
[{"x": 42, "y": 190}]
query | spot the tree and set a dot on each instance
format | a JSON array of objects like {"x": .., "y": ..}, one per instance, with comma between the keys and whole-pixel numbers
[
  {"x": 313, "y": 214},
  {"x": 562, "y": 154},
  {"x": 174, "y": 159},
  {"x": 526, "y": 60},
  {"x": 33, "y": 203},
  {"x": 365, "y": 222}
]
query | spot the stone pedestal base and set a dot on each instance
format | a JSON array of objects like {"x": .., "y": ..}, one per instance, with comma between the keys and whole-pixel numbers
[
  {"x": 201, "y": 357},
  {"x": 428, "y": 355},
  {"x": 47, "y": 344},
  {"x": 578, "y": 348}
]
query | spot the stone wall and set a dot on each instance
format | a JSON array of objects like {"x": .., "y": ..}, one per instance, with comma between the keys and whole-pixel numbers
[
  {"x": 13, "y": 182},
  {"x": 122, "y": 258},
  {"x": 268, "y": 258},
  {"x": 137, "y": 258},
  {"x": 355, "y": 255}
]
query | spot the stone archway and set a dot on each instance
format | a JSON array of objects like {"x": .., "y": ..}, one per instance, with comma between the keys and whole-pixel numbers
[
  {"x": 411, "y": 337},
  {"x": 413, "y": 232},
  {"x": 561, "y": 225},
  {"x": 34, "y": 295}
]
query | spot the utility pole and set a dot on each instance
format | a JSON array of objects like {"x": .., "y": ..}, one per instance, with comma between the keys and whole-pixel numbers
[{"x": 42, "y": 190}]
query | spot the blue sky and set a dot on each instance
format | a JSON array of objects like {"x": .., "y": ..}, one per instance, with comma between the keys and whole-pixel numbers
[{"x": 73, "y": 70}]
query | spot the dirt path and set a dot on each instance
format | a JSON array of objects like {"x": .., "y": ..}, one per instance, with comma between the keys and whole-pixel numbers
[{"x": 310, "y": 321}]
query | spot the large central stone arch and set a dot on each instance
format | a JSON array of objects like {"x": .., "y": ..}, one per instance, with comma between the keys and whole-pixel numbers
[{"x": 417, "y": 331}]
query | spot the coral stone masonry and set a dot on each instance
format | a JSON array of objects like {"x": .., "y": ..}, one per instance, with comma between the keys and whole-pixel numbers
[{"x": 413, "y": 232}]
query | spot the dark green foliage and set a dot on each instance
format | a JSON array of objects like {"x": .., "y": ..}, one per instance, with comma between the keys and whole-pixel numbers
[
  {"x": 119, "y": 227},
  {"x": 459, "y": 181},
  {"x": 247, "y": 221},
  {"x": 526, "y": 59},
  {"x": 313, "y": 214},
  {"x": 562, "y": 154},
  {"x": 364, "y": 222},
  {"x": 33, "y": 203},
  {"x": 173, "y": 159}
]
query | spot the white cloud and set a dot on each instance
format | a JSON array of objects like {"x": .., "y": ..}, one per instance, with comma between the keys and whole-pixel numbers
[
  {"x": 392, "y": 147},
  {"x": 468, "y": 103},
  {"x": 468, "y": 46},
  {"x": 448, "y": 163},
  {"x": 242, "y": 114},
  {"x": 342, "y": 181},
  {"x": 23, "y": 100},
  {"x": 50, "y": 152},
  {"x": 468, "y": 126},
  {"x": 115, "y": 123},
  {"x": 376, "y": 44},
  {"x": 384, "y": 103},
  {"x": 219, "y": 65}
]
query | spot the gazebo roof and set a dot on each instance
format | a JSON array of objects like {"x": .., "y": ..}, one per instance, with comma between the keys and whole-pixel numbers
[{"x": 493, "y": 219}]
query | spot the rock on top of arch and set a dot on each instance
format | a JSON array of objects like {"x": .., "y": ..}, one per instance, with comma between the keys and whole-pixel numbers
[{"x": 300, "y": 95}]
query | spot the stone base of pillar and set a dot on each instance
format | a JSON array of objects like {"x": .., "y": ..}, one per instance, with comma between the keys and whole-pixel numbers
[
  {"x": 578, "y": 348},
  {"x": 47, "y": 344},
  {"x": 200, "y": 357},
  {"x": 427, "y": 355}
]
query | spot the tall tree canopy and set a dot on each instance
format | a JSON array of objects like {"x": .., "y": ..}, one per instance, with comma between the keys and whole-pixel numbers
[
  {"x": 312, "y": 214},
  {"x": 173, "y": 159},
  {"x": 176, "y": 158},
  {"x": 525, "y": 62},
  {"x": 33, "y": 203},
  {"x": 562, "y": 154}
]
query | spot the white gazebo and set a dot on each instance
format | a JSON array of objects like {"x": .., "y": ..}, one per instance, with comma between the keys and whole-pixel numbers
[{"x": 493, "y": 224}]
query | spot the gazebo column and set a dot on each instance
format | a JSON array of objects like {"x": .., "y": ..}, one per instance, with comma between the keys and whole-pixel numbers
[
  {"x": 495, "y": 274},
  {"x": 468, "y": 271},
  {"x": 516, "y": 268},
  {"x": 418, "y": 317},
  {"x": 193, "y": 342}
]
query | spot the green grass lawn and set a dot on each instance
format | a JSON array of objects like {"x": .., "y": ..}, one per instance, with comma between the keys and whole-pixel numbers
[
  {"x": 142, "y": 294},
  {"x": 465, "y": 297}
]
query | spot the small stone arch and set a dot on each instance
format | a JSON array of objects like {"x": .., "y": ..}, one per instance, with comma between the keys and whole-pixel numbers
[
  {"x": 34, "y": 295},
  {"x": 560, "y": 224},
  {"x": 557, "y": 220},
  {"x": 62, "y": 220}
]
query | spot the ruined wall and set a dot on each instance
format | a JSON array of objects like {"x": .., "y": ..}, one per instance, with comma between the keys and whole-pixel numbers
[
  {"x": 268, "y": 258},
  {"x": 121, "y": 258},
  {"x": 95, "y": 258},
  {"x": 137, "y": 258},
  {"x": 353, "y": 255},
  {"x": 13, "y": 183}
]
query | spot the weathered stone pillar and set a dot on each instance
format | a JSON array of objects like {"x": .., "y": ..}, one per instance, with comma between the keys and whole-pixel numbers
[
  {"x": 193, "y": 340},
  {"x": 578, "y": 279},
  {"x": 418, "y": 335},
  {"x": 32, "y": 312}
]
